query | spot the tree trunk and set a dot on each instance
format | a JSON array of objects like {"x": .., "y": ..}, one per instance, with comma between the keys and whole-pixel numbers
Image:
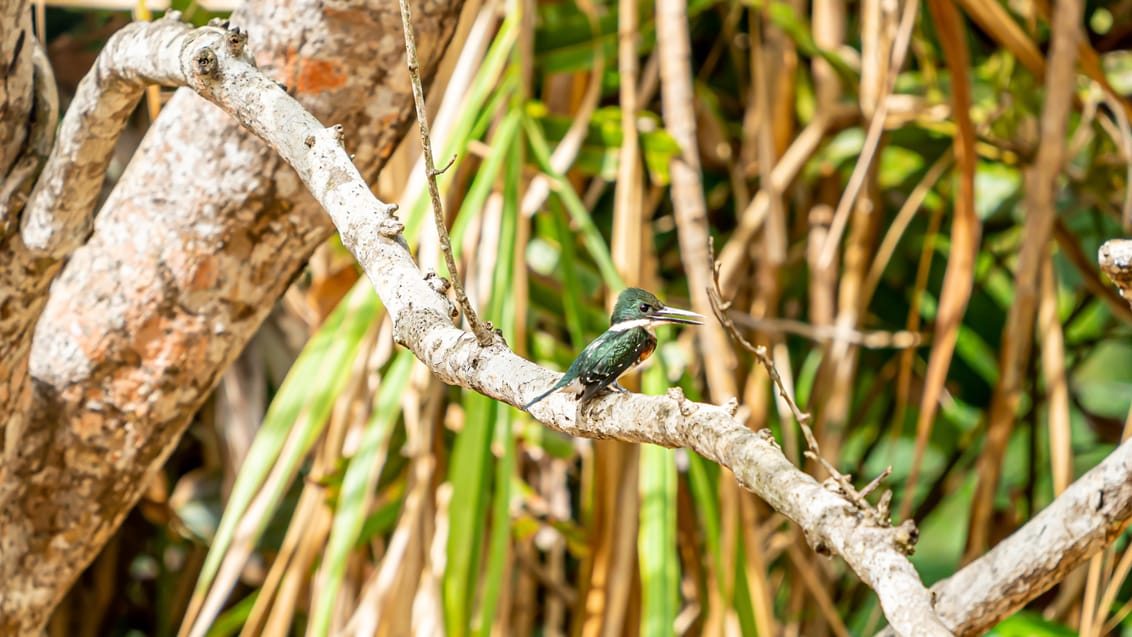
[{"x": 201, "y": 234}]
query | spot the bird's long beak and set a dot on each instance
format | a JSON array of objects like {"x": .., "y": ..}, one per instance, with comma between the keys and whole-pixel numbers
[{"x": 673, "y": 315}]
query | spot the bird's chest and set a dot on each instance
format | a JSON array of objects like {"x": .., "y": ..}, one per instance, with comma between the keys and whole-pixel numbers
[{"x": 647, "y": 349}]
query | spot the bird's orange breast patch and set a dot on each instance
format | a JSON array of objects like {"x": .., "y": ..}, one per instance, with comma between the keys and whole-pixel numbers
[{"x": 647, "y": 351}]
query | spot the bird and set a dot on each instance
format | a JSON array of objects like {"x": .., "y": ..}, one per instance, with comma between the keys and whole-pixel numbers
[{"x": 629, "y": 340}]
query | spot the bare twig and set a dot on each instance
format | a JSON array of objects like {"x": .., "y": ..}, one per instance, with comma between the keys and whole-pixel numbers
[
  {"x": 719, "y": 307},
  {"x": 482, "y": 331},
  {"x": 871, "y": 339},
  {"x": 876, "y": 482},
  {"x": 421, "y": 319}
]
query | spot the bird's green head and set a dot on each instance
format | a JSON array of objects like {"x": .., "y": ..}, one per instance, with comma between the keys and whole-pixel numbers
[{"x": 640, "y": 308}]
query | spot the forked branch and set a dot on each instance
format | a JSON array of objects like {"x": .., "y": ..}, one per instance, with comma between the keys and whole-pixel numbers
[
  {"x": 216, "y": 65},
  {"x": 483, "y": 332}
]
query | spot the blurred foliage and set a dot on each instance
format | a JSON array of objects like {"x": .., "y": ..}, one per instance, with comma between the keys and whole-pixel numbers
[{"x": 374, "y": 496}]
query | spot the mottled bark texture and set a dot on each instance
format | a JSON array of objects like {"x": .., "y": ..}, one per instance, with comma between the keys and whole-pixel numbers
[
  {"x": 201, "y": 234},
  {"x": 16, "y": 93},
  {"x": 422, "y": 321},
  {"x": 28, "y": 115}
]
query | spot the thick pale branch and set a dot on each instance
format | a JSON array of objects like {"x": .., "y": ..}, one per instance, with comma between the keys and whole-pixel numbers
[
  {"x": 1077, "y": 525},
  {"x": 59, "y": 214},
  {"x": 1092, "y": 512},
  {"x": 422, "y": 322},
  {"x": 200, "y": 235}
]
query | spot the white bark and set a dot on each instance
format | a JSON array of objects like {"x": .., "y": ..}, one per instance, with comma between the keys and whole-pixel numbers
[
  {"x": 1091, "y": 513},
  {"x": 198, "y": 238},
  {"x": 422, "y": 320}
]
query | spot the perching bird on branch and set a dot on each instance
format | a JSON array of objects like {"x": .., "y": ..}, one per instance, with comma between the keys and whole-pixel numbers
[{"x": 628, "y": 341}]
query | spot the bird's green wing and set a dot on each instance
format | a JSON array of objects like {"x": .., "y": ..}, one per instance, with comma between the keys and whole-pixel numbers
[{"x": 609, "y": 356}]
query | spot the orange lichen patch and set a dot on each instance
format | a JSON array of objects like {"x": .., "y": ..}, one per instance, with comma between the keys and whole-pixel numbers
[
  {"x": 203, "y": 275},
  {"x": 161, "y": 341},
  {"x": 150, "y": 336},
  {"x": 125, "y": 386},
  {"x": 290, "y": 63},
  {"x": 316, "y": 76}
]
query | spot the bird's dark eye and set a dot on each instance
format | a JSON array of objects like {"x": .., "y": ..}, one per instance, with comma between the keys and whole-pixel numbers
[{"x": 644, "y": 308}]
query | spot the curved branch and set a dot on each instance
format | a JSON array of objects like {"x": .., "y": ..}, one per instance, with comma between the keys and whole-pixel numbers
[
  {"x": 216, "y": 65},
  {"x": 1091, "y": 513},
  {"x": 203, "y": 231},
  {"x": 422, "y": 320},
  {"x": 59, "y": 214},
  {"x": 1082, "y": 521}
]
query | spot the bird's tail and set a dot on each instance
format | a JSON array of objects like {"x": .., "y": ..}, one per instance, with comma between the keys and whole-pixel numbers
[{"x": 556, "y": 387}]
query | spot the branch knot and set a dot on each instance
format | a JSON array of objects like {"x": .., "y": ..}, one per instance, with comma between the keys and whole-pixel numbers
[
  {"x": 204, "y": 62},
  {"x": 237, "y": 40}
]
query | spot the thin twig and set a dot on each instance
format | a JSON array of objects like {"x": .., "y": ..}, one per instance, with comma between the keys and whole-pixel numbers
[
  {"x": 870, "y": 487},
  {"x": 875, "y": 339},
  {"x": 719, "y": 307},
  {"x": 483, "y": 332}
]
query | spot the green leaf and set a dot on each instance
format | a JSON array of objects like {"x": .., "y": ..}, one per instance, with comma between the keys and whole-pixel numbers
[
  {"x": 299, "y": 410},
  {"x": 357, "y": 487},
  {"x": 656, "y": 539},
  {"x": 1029, "y": 624}
]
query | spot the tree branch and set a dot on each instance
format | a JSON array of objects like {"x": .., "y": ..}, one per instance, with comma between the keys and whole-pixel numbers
[
  {"x": 1091, "y": 513},
  {"x": 421, "y": 320},
  {"x": 60, "y": 212},
  {"x": 1081, "y": 522},
  {"x": 200, "y": 235}
]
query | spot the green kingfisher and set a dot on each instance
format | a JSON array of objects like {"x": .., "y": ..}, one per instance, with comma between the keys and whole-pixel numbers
[{"x": 629, "y": 340}]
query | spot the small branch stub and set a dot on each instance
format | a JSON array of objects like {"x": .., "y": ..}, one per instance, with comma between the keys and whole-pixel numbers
[
  {"x": 204, "y": 62},
  {"x": 437, "y": 282},
  {"x": 391, "y": 227},
  {"x": 1115, "y": 259},
  {"x": 237, "y": 41},
  {"x": 440, "y": 171}
]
